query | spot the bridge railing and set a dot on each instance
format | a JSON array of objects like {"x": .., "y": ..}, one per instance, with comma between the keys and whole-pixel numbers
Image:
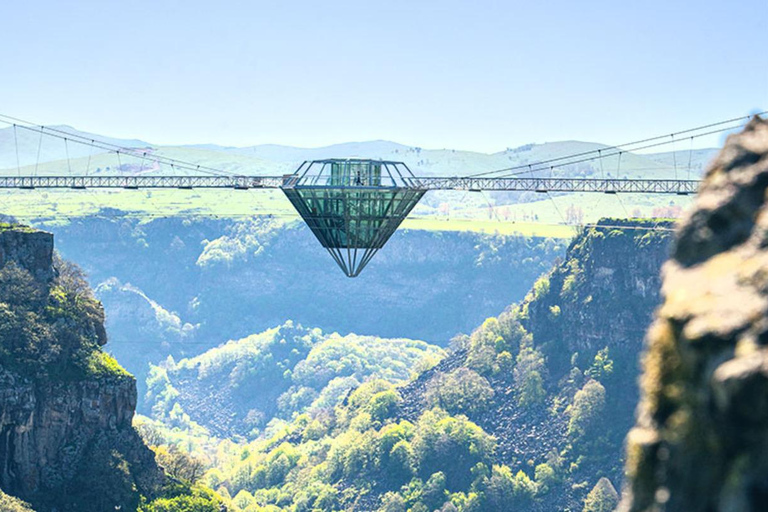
[
  {"x": 134, "y": 182},
  {"x": 523, "y": 184}
]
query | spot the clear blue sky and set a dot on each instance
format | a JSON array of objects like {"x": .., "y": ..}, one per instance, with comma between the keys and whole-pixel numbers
[{"x": 478, "y": 75}]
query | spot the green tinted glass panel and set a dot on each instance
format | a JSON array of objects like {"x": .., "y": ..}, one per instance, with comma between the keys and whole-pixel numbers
[{"x": 353, "y": 223}]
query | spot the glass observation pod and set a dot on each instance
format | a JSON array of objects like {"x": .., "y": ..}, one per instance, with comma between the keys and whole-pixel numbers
[{"x": 352, "y": 206}]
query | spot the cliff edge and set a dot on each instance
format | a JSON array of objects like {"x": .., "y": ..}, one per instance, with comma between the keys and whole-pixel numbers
[
  {"x": 701, "y": 438},
  {"x": 66, "y": 407}
]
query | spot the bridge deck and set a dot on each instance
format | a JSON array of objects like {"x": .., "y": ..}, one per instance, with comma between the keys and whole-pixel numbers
[{"x": 517, "y": 184}]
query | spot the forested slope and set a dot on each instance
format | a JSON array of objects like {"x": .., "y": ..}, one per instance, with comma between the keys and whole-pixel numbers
[
  {"x": 555, "y": 377},
  {"x": 245, "y": 386}
]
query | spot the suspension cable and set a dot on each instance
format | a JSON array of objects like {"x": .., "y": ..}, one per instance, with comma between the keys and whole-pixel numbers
[
  {"x": 605, "y": 155},
  {"x": 109, "y": 147},
  {"x": 622, "y": 146},
  {"x": 39, "y": 147}
]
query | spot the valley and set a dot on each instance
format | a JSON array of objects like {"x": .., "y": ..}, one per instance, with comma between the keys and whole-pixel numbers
[
  {"x": 485, "y": 361},
  {"x": 305, "y": 392},
  {"x": 384, "y": 256},
  {"x": 292, "y": 415}
]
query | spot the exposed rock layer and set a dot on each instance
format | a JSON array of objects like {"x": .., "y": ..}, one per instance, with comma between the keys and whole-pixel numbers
[{"x": 701, "y": 439}]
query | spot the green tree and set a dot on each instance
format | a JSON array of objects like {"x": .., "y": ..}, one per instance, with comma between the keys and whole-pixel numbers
[
  {"x": 399, "y": 465},
  {"x": 529, "y": 382},
  {"x": 461, "y": 391},
  {"x": 392, "y": 502},
  {"x": 588, "y": 404},
  {"x": 185, "y": 499},
  {"x": 384, "y": 404},
  {"x": 504, "y": 491},
  {"x": 602, "y": 366},
  {"x": 545, "y": 477},
  {"x": 179, "y": 465},
  {"x": 451, "y": 444},
  {"x": 602, "y": 498},
  {"x": 434, "y": 494}
]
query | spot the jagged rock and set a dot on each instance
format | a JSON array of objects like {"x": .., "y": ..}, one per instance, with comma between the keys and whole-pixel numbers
[
  {"x": 605, "y": 291},
  {"x": 701, "y": 438}
]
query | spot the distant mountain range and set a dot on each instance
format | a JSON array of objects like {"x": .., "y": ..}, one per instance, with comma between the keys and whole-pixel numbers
[{"x": 49, "y": 155}]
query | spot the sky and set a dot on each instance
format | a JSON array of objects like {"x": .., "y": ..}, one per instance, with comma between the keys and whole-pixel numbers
[{"x": 477, "y": 75}]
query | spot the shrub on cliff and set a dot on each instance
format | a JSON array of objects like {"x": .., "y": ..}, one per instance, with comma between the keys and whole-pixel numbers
[
  {"x": 179, "y": 465},
  {"x": 461, "y": 391},
  {"x": 602, "y": 498}
]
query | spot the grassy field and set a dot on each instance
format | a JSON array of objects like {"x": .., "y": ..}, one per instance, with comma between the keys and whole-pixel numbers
[
  {"x": 546, "y": 217},
  {"x": 428, "y": 223}
]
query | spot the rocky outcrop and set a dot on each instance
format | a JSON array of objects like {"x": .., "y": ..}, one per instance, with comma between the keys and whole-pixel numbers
[
  {"x": 66, "y": 435},
  {"x": 701, "y": 438},
  {"x": 604, "y": 293},
  {"x": 28, "y": 248}
]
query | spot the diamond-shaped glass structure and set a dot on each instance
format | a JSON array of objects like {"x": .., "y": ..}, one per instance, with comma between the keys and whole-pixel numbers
[{"x": 352, "y": 206}]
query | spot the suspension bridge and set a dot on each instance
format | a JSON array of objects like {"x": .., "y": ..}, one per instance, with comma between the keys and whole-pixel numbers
[{"x": 352, "y": 205}]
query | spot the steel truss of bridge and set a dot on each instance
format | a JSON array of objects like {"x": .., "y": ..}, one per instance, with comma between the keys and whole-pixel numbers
[{"x": 508, "y": 184}]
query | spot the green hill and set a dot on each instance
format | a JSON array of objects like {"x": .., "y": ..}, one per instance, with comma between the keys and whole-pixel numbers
[{"x": 252, "y": 384}]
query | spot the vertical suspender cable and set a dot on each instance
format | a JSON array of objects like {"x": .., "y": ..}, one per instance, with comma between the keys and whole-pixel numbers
[
  {"x": 16, "y": 141},
  {"x": 39, "y": 147},
  {"x": 66, "y": 149},
  {"x": 600, "y": 156},
  {"x": 690, "y": 156},
  {"x": 674, "y": 154},
  {"x": 618, "y": 166},
  {"x": 90, "y": 152}
]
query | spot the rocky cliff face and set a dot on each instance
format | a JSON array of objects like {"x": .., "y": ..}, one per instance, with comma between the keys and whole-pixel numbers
[
  {"x": 701, "y": 439},
  {"x": 28, "y": 248},
  {"x": 66, "y": 439},
  {"x": 605, "y": 292}
]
